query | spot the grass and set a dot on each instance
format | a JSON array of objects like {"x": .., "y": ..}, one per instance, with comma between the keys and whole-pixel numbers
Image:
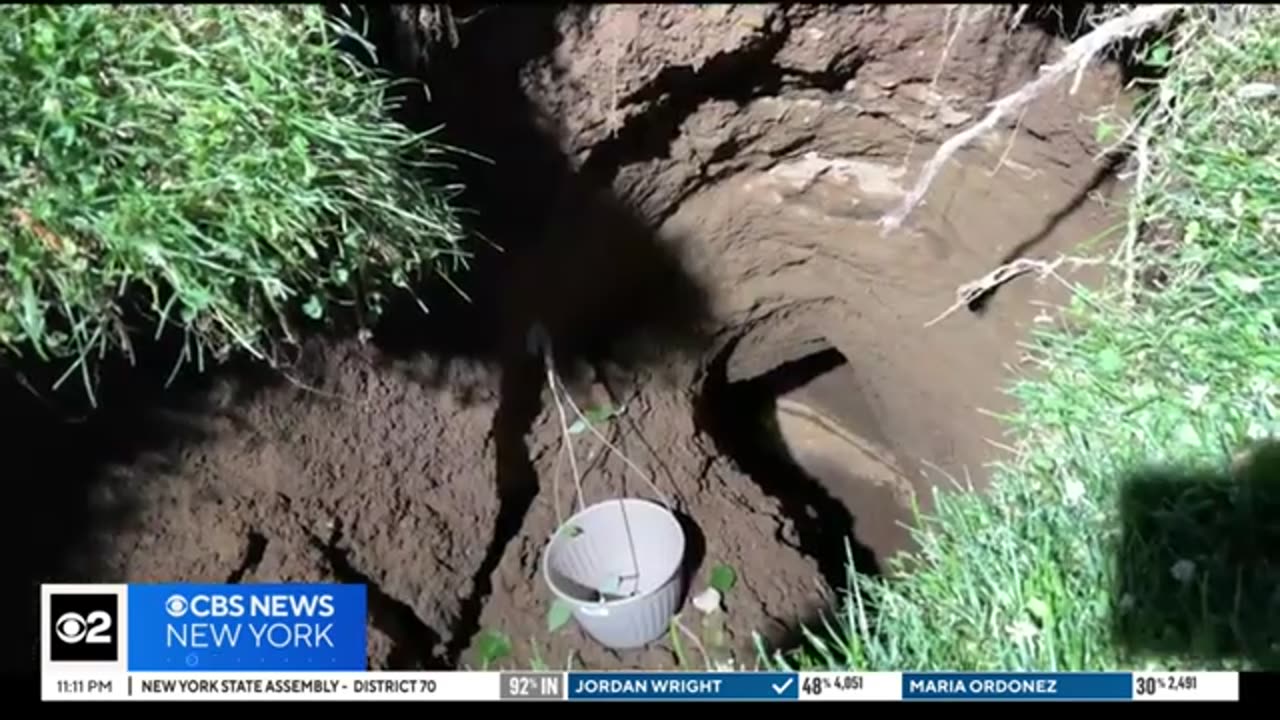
[
  {"x": 1122, "y": 535},
  {"x": 223, "y": 170}
]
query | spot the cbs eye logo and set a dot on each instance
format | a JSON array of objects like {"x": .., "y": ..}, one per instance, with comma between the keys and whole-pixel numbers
[
  {"x": 83, "y": 628},
  {"x": 176, "y": 606}
]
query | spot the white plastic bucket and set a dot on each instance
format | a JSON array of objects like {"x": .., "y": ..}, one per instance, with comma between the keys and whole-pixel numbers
[{"x": 618, "y": 565}]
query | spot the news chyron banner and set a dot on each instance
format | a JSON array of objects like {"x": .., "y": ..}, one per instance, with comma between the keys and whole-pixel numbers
[{"x": 308, "y": 642}]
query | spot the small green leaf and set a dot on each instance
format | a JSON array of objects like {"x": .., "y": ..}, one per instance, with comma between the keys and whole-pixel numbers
[
  {"x": 1103, "y": 131},
  {"x": 723, "y": 578},
  {"x": 559, "y": 614},
  {"x": 1110, "y": 361},
  {"x": 1160, "y": 55},
  {"x": 313, "y": 308},
  {"x": 592, "y": 416},
  {"x": 492, "y": 647},
  {"x": 572, "y": 531}
]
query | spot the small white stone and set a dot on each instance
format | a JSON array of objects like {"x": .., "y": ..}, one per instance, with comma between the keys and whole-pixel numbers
[
  {"x": 1247, "y": 284},
  {"x": 708, "y": 601},
  {"x": 1257, "y": 91},
  {"x": 1074, "y": 491},
  {"x": 1196, "y": 395},
  {"x": 1183, "y": 571},
  {"x": 1022, "y": 630}
]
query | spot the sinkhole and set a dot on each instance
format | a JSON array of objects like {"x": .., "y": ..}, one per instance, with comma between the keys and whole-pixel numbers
[{"x": 805, "y": 435}]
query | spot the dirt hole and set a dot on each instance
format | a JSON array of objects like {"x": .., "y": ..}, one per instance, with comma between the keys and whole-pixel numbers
[
  {"x": 675, "y": 187},
  {"x": 781, "y": 430}
]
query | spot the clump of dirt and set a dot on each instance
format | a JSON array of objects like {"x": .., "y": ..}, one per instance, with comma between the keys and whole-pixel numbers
[{"x": 686, "y": 197}]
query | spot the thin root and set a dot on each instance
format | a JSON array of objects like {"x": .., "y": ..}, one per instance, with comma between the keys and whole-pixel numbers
[
  {"x": 1074, "y": 60},
  {"x": 971, "y": 291}
]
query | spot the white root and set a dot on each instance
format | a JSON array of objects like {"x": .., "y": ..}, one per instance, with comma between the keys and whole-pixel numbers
[
  {"x": 1074, "y": 60},
  {"x": 1130, "y": 244},
  {"x": 971, "y": 291}
]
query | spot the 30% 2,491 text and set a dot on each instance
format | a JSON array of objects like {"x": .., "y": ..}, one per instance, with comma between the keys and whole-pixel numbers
[{"x": 1145, "y": 685}]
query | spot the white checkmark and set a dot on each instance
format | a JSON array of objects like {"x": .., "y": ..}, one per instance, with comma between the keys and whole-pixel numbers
[{"x": 783, "y": 687}]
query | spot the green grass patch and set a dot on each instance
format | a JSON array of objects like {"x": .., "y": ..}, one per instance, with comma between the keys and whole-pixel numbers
[
  {"x": 224, "y": 170},
  {"x": 1120, "y": 536}
]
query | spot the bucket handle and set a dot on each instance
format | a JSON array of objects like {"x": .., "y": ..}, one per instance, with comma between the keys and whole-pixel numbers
[{"x": 540, "y": 341}]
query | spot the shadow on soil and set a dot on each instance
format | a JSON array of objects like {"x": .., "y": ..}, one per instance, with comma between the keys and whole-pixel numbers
[
  {"x": 1199, "y": 564},
  {"x": 558, "y": 250},
  {"x": 59, "y": 449},
  {"x": 550, "y": 245},
  {"x": 411, "y": 637},
  {"x": 734, "y": 416},
  {"x": 1102, "y": 182},
  {"x": 695, "y": 552}
]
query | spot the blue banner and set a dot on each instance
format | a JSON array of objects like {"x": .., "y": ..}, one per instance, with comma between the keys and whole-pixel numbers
[
  {"x": 300, "y": 627},
  {"x": 1017, "y": 686},
  {"x": 683, "y": 686}
]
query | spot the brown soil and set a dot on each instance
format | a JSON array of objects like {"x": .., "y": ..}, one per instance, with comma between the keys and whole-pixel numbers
[{"x": 687, "y": 198}]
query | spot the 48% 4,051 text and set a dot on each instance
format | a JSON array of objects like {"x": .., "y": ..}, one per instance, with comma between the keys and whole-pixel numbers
[{"x": 841, "y": 683}]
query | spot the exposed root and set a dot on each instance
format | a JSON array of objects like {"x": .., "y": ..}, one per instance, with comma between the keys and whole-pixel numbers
[
  {"x": 1018, "y": 15},
  {"x": 1138, "y": 135},
  {"x": 438, "y": 21},
  {"x": 1142, "y": 154},
  {"x": 971, "y": 291},
  {"x": 1008, "y": 148},
  {"x": 1074, "y": 60},
  {"x": 937, "y": 73}
]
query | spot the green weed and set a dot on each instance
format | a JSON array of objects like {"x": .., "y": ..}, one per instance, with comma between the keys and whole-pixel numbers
[{"x": 223, "y": 170}]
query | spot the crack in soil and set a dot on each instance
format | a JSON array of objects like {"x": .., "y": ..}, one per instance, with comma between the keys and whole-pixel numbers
[
  {"x": 739, "y": 75},
  {"x": 255, "y": 549},
  {"x": 517, "y": 486},
  {"x": 414, "y": 642}
]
